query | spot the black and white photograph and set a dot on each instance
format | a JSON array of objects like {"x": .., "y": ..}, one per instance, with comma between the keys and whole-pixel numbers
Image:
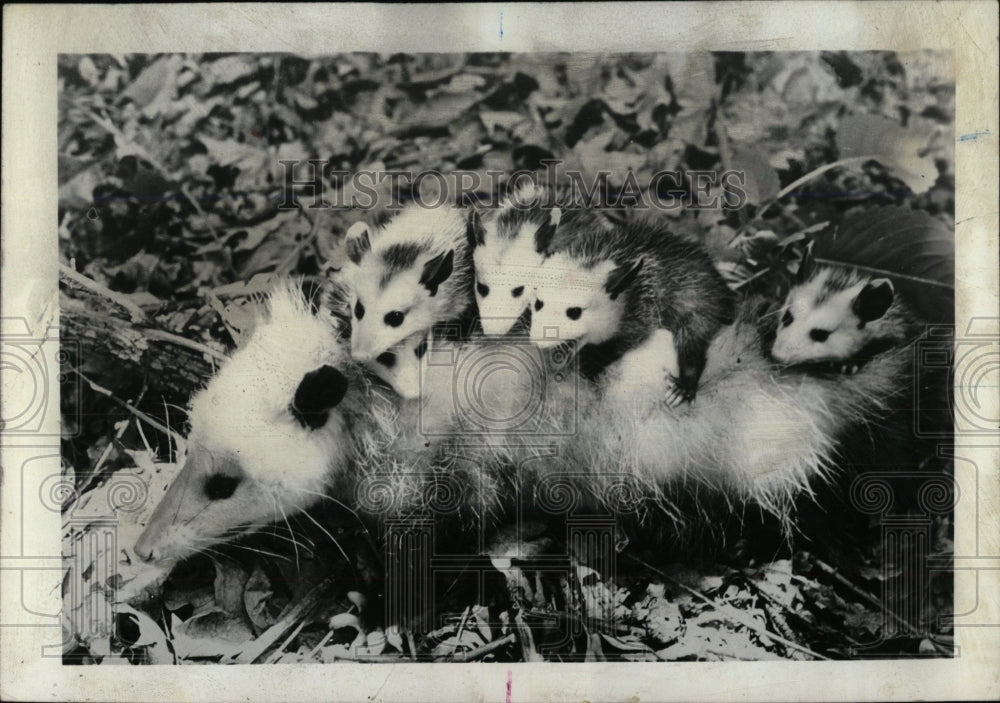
[
  {"x": 430, "y": 340},
  {"x": 504, "y": 357}
]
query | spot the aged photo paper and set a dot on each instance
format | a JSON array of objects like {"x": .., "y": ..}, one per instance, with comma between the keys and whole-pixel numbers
[{"x": 598, "y": 351}]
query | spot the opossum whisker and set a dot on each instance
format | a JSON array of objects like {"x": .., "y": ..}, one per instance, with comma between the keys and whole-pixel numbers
[
  {"x": 332, "y": 539},
  {"x": 265, "y": 552},
  {"x": 260, "y": 527},
  {"x": 295, "y": 545}
]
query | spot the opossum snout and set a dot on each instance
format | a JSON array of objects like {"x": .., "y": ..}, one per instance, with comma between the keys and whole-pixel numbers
[{"x": 143, "y": 549}]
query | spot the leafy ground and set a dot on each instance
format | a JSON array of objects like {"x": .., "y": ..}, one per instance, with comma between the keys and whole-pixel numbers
[{"x": 169, "y": 218}]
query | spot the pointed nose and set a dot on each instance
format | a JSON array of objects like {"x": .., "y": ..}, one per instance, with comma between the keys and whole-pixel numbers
[
  {"x": 144, "y": 550},
  {"x": 361, "y": 352}
]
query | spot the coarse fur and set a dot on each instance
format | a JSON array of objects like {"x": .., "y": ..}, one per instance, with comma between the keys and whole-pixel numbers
[
  {"x": 509, "y": 245},
  {"x": 838, "y": 316},
  {"x": 404, "y": 277},
  {"x": 264, "y": 440},
  {"x": 757, "y": 433},
  {"x": 609, "y": 291},
  {"x": 501, "y": 424}
]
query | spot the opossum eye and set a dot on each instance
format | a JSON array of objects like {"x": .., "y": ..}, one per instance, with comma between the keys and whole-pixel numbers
[
  {"x": 818, "y": 335},
  {"x": 482, "y": 289},
  {"x": 574, "y": 313},
  {"x": 359, "y": 310},
  {"x": 420, "y": 349},
  {"x": 517, "y": 292},
  {"x": 787, "y": 318},
  {"x": 394, "y": 318},
  {"x": 539, "y": 304},
  {"x": 220, "y": 486},
  {"x": 387, "y": 359}
]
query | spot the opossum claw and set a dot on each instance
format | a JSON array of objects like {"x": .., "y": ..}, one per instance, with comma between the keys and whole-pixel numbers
[{"x": 675, "y": 395}]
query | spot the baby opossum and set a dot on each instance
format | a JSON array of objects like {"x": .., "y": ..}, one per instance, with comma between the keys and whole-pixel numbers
[
  {"x": 399, "y": 366},
  {"x": 609, "y": 291},
  {"x": 403, "y": 278},
  {"x": 509, "y": 246},
  {"x": 838, "y": 319}
]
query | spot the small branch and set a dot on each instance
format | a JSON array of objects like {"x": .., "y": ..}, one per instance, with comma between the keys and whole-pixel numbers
[
  {"x": 165, "y": 336},
  {"x": 854, "y": 160},
  {"x": 253, "y": 650},
  {"x": 322, "y": 643},
  {"x": 864, "y": 595},
  {"x": 481, "y": 652},
  {"x": 288, "y": 640},
  {"x": 128, "y": 406},
  {"x": 135, "y": 312},
  {"x": 889, "y": 274}
]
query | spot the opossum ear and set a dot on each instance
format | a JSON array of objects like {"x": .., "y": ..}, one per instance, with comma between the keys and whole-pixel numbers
[
  {"x": 547, "y": 232},
  {"x": 474, "y": 229},
  {"x": 874, "y": 300},
  {"x": 437, "y": 270},
  {"x": 621, "y": 278},
  {"x": 358, "y": 241},
  {"x": 318, "y": 391}
]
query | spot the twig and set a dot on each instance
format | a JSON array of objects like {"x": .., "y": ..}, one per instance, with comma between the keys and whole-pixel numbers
[
  {"x": 253, "y": 650},
  {"x": 326, "y": 638},
  {"x": 135, "y": 312},
  {"x": 733, "y": 613},
  {"x": 864, "y": 595},
  {"x": 851, "y": 161},
  {"x": 461, "y": 624},
  {"x": 128, "y": 406},
  {"x": 96, "y": 471},
  {"x": 754, "y": 277},
  {"x": 288, "y": 640},
  {"x": 891, "y": 274},
  {"x": 163, "y": 335},
  {"x": 484, "y": 650}
]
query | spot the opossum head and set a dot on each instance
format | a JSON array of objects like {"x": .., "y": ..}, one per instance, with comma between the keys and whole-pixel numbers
[
  {"x": 400, "y": 365},
  {"x": 509, "y": 248},
  {"x": 267, "y": 433},
  {"x": 831, "y": 316},
  {"x": 580, "y": 301},
  {"x": 413, "y": 273}
]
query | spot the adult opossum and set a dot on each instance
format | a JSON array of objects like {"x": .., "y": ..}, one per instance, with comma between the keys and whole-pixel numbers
[
  {"x": 609, "y": 291},
  {"x": 290, "y": 418},
  {"x": 279, "y": 419}
]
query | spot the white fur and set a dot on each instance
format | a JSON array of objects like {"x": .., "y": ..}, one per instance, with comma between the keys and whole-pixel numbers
[
  {"x": 793, "y": 344},
  {"x": 505, "y": 265},
  {"x": 563, "y": 283},
  {"x": 508, "y": 263},
  {"x": 438, "y": 230},
  {"x": 404, "y": 375},
  {"x": 244, "y": 409},
  {"x": 640, "y": 381},
  {"x": 754, "y": 432}
]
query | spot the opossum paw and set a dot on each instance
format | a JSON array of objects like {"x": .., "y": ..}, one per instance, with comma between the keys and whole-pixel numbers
[{"x": 676, "y": 395}]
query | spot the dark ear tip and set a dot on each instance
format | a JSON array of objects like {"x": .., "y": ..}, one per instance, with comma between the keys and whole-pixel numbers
[{"x": 318, "y": 392}]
